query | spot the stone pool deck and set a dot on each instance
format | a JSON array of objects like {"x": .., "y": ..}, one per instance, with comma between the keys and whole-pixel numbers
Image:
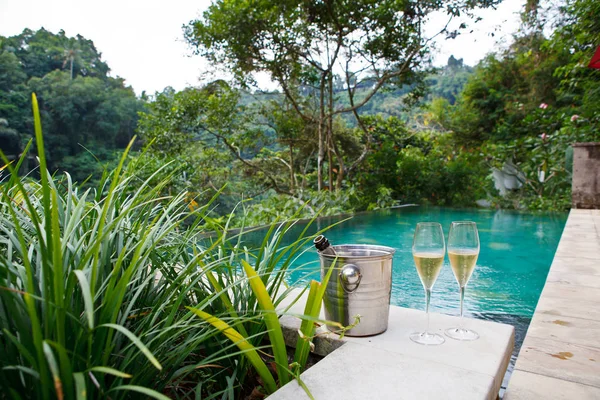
[
  {"x": 391, "y": 366},
  {"x": 560, "y": 356}
]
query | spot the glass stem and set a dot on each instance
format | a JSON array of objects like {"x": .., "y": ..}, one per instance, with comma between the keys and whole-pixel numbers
[
  {"x": 462, "y": 299},
  {"x": 427, "y": 297}
]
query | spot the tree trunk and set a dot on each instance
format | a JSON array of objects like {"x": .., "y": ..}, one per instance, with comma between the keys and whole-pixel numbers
[
  {"x": 306, "y": 169},
  {"x": 292, "y": 177},
  {"x": 341, "y": 166},
  {"x": 321, "y": 155},
  {"x": 330, "y": 130},
  {"x": 329, "y": 167}
]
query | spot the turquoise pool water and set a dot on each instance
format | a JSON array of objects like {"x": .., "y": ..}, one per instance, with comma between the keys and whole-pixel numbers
[
  {"x": 517, "y": 249},
  {"x": 516, "y": 252}
]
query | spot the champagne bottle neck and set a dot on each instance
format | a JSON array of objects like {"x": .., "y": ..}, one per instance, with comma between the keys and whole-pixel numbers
[{"x": 323, "y": 246}]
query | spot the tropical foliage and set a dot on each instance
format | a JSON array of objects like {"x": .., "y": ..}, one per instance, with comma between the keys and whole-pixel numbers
[
  {"x": 528, "y": 104},
  {"x": 87, "y": 114},
  {"x": 301, "y": 45},
  {"x": 100, "y": 292},
  {"x": 132, "y": 285}
]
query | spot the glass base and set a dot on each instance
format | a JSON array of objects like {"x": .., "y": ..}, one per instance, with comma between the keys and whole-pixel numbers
[
  {"x": 427, "y": 338},
  {"x": 461, "y": 334}
]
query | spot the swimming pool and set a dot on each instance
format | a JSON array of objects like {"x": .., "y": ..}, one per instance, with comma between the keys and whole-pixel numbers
[
  {"x": 517, "y": 249},
  {"x": 516, "y": 252}
]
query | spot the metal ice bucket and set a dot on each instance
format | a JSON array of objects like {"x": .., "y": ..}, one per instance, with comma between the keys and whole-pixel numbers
[{"x": 360, "y": 284}]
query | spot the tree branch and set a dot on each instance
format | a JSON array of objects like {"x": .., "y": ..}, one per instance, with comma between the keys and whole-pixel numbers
[{"x": 236, "y": 152}]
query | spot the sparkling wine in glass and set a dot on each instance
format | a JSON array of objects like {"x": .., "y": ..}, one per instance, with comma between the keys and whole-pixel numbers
[
  {"x": 463, "y": 250},
  {"x": 428, "y": 251}
]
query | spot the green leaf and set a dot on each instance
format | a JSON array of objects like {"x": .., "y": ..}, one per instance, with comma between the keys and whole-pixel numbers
[
  {"x": 110, "y": 371},
  {"x": 136, "y": 341},
  {"x": 306, "y": 328},
  {"x": 87, "y": 297},
  {"x": 245, "y": 346},
  {"x": 80, "y": 387},
  {"x": 271, "y": 321},
  {"x": 312, "y": 310},
  {"x": 142, "y": 390},
  {"x": 54, "y": 369},
  {"x": 21, "y": 368}
]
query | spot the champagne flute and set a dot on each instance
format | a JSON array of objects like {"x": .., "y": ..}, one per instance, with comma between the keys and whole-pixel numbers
[
  {"x": 463, "y": 250},
  {"x": 428, "y": 251}
]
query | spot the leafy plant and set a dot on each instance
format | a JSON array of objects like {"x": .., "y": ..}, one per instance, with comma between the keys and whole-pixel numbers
[
  {"x": 94, "y": 287},
  {"x": 271, "y": 320}
]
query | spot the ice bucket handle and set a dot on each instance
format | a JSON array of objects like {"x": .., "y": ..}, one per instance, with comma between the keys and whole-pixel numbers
[{"x": 350, "y": 277}]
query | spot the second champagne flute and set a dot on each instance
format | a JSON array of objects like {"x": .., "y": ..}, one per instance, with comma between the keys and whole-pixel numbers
[
  {"x": 463, "y": 250},
  {"x": 428, "y": 251}
]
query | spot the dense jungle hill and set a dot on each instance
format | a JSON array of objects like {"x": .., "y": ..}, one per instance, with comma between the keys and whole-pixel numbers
[
  {"x": 88, "y": 115},
  {"x": 432, "y": 136}
]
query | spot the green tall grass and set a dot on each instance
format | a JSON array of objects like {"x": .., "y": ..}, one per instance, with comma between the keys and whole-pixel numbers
[{"x": 96, "y": 288}]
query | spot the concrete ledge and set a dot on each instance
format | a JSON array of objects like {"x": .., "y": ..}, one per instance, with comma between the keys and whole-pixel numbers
[{"x": 391, "y": 366}]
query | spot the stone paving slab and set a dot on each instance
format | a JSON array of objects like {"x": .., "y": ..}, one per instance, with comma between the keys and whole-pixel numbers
[
  {"x": 575, "y": 265},
  {"x": 557, "y": 359},
  {"x": 391, "y": 366},
  {"x": 481, "y": 355},
  {"x": 356, "y": 371},
  {"x": 529, "y": 386},
  {"x": 571, "y": 278},
  {"x": 560, "y": 356},
  {"x": 570, "y": 291},
  {"x": 566, "y": 329},
  {"x": 581, "y": 250},
  {"x": 560, "y": 307}
]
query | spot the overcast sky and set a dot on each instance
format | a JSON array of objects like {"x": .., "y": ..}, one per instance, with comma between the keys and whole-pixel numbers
[{"x": 142, "y": 41}]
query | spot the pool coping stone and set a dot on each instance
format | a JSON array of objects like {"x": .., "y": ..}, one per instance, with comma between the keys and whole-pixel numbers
[{"x": 391, "y": 366}]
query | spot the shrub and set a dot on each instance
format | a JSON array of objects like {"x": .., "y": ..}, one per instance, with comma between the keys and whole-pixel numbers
[{"x": 97, "y": 286}]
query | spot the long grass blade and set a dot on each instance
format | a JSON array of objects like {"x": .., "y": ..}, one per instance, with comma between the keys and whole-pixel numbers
[
  {"x": 87, "y": 297},
  {"x": 312, "y": 310},
  {"x": 241, "y": 342},
  {"x": 21, "y": 368},
  {"x": 225, "y": 299},
  {"x": 271, "y": 321},
  {"x": 80, "y": 387},
  {"x": 55, "y": 371},
  {"x": 136, "y": 341},
  {"x": 143, "y": 390},
  {"x": 31, "y": 308},
  {"x": 110, "y": 371},
  {"x": 306, "y": 328}
]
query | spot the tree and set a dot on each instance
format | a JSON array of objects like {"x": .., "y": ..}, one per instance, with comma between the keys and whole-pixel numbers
[
  {"x": 11, "y": 72},
  {"x": 527, "y": 105},
  {"x": 84, "y": 113},
  {"x": 70, "y": 54},
  {"x": 41, "y": 52},
  {"x": 11, "y": 140},
  {"x": 453, "y": 63},
  {"x": 302, "y": 45},
  {"x": 83, "y": 110},
  {"x": 253, "y": 148},
  {"x": 12, "y": 101}
]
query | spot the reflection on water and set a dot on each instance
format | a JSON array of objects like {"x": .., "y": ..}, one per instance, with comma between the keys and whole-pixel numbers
[{"x": 499, "y": 246}]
